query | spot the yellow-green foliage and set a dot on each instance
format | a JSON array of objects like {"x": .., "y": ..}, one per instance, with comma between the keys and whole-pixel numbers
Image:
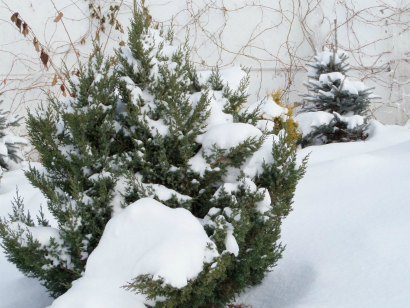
[{"x": 290, "y": 123}]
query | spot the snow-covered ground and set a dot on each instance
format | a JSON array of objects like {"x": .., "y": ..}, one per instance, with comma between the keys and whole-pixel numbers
[{"x": 347, "y": 238}]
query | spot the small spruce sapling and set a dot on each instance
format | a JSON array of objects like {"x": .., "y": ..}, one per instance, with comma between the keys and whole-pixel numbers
[
  {"x": 330, "y": 90},
  {"x": 10, "y": 144}
]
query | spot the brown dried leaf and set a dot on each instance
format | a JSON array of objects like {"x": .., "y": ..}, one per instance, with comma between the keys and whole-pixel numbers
[
  {"x": 5, "y": 81},
  {"x": 122, "y": 43},
  {"x": 25, "y": 29},
  {"x": 82, "y": 41},
  {"x": 97, "y": 35},
  {"x": 58, "y": 17},
  {"x": 14, "y": 17},
  {"x": 44, "y": 58},
  {"x": 55, "y": 79},
  {"x": 36, "y": 44}
]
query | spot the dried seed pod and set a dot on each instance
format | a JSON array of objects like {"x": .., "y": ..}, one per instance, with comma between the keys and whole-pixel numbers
[
  {"x": 58, "y": 17},
  {"x": 14, "y": 17},
  {"x": 36, "y": 44},
  {"x": 18, "y": 23},
  {"x": 44, "y": 58},
  {"x": 55, "y": 79},
  {"x": 25, "y": 29}
]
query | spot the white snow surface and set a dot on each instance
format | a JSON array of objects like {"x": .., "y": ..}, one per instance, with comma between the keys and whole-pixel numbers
[
  {"x": 307, "y": 121},
  {"x": 215, "y": 108},
  {"x": 268, "y": 108},
  {"x": 146, "y": 238},
  {"x": 39, "y": 233},
  {"x": 354, "y": 87},
  {"x": 164, "y": 193},
  {"x": 331, "y": 77},
  {"x": 346, "y": 239},
  {"x": 227, "y": 136},
  {"x": 254, "y": 164},
  {"x": 230, "y": 241},
  {"x": 353, "y": 120}
]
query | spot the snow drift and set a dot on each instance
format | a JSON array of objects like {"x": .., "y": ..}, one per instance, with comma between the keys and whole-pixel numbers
[{"x": 146, "y": 238}]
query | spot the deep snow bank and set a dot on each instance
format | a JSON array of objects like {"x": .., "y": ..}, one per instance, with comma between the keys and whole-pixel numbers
[
  {"x": 347, "y": 238},
  {"x": 146, "y": 238}
]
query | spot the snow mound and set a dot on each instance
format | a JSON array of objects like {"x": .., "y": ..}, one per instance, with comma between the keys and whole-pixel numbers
[
  {"x": 268, "y": 109},
  {"x": 227, "y": 136},
  {"x": 309, "y": 120},
  {"x": 146, "y": 238},
  {"x": 348, "y": 233}
]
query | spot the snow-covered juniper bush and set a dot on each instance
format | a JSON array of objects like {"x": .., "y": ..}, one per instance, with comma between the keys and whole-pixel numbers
[
  {"x": 154, "y": 127},
  {"x": 79, "y": 141},
  {"x": 330, "y": 90},
  {"x": 197, "y": 141}
]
